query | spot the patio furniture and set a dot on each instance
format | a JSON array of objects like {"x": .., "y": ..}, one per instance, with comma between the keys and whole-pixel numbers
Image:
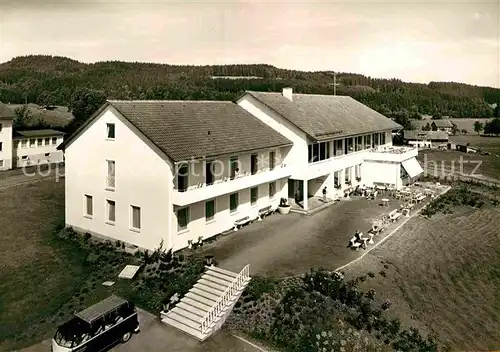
[
  {"x": 406, "y": 212},
  {"x": 385, "y": 202},
  {"x": 420, "y": 197},
  {"x": 240, "y": 222},
  {"x": 374, "y": 195},
  {"x": 264, "y": 212},
  {"x": 371, "y": 238},
  {"x": 353, "y": 244},
  {"x": 394, "y": 215}
]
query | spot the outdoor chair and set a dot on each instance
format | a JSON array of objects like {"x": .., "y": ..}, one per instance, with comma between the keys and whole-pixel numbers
[{"x": 394, "y": 215}]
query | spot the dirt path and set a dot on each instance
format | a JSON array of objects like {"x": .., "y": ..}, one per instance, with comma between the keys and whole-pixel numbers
[{"x": 17, "y": 177}]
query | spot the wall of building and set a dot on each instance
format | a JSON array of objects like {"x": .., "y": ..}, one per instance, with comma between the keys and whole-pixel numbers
[
  {"x": 297, "y": 157},
  {"x": 381, "y": 172},
  {"x": 43, "y": 151},
  {"x": 224, "y": 219},
  {"x": 143, "y": 179},
  {"x": 6, "y": 140}
]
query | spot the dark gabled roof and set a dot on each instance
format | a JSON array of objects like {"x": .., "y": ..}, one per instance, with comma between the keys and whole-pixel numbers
[
  {"x": 443, "y": 123},
  {"x": 99, "y": 309},
  {"x": 38, "y": 133},
  {"x": 195, "y": 129},
  {"x": 58, "y": 116},
  {"x": 6, "y": 113},
  {"x": 326, "y": 116}
]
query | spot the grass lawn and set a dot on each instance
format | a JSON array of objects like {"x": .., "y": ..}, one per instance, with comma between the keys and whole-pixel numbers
[
  {"x": 45, "y": 278},
  {"x": 39, "y": 272},
  {"x": 443, "y": 275},
  {"x": 486, "y": 143},
  {"x": 489, "y": 165}
]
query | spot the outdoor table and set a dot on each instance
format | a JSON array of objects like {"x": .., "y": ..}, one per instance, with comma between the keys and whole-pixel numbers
[{"x": 385, "y": 202}]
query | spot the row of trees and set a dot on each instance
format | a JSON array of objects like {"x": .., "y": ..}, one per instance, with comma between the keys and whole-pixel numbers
[{"x": 56, "y": 80}]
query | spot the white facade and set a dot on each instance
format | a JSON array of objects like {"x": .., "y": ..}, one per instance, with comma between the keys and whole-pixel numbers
[
  {"x": 173, "y": 210},
  {"x": 366, "y": 159},
  {"x": 37, "y": 150},
  {"x": 29, "y": 148},
  {"x": 5, "y": 144}
]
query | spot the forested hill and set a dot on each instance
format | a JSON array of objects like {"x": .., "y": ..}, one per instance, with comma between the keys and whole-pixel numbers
[{"x": 54, "y": 80}]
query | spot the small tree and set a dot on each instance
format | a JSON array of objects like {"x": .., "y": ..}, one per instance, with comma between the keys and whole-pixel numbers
[
  {"x": 464, "y": 131},
  {"x": 427, "y": 127},
  {"x": 23, "y": 114},
  {"x": 478, "y": 127},
  {"x": 454, "y": 129}
]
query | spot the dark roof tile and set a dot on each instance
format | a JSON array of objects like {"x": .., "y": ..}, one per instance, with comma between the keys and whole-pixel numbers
[
  {"x": 194, "y": 129},
  {"x": 326, "y": 116}
]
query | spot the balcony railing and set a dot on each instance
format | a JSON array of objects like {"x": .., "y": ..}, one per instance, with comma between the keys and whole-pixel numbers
[
  {"x": 223, "y": 302},
  {"x": 110, "y": 182},
  {"x": 226, "y": 185}
]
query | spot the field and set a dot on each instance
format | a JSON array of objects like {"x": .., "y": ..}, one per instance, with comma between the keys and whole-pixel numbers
[
  {"x": 38, "y": 272},
  {"x": 443, "y": 275},
  {"x": 472, "y": 164},
  {"x": 488, "y": 144}
]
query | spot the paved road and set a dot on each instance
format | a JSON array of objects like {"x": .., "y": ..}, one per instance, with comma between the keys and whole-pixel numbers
[
  {"x": 17, "y": 177},
  {"x": 156, "y": 337}
]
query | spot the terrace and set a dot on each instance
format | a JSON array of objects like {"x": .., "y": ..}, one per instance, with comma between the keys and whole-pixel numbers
[{"x": 285, "y": 245}]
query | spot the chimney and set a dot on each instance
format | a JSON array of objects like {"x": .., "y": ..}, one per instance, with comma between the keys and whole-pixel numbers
[{"x": 288, "y": 93}]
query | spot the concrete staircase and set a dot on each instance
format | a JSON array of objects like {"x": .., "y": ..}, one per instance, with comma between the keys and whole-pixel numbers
[{"x": 204, "y": 309}]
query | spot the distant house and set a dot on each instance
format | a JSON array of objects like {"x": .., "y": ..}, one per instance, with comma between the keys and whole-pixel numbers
[
  {"x": 442, "y": 125},
  {"x": 426, "y": 139},
  {"x": 26, "y": 148}
]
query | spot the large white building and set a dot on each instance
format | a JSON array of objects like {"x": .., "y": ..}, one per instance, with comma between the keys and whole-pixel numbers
[
  {"x": 146, "y": 171},
  {"x": 26, "y": 148},
  {"x": 337, "y": 142}
]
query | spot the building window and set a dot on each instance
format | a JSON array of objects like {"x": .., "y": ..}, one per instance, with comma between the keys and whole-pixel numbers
[
  {"x": 348, "y": 172},
  {"x": 338, "y": 150},
  {"x": 110, "y": 176},
  {"x": 24, "y": 157},
  {"x": 359, "y": 143},
  {"x": 349, "y": 145},
  {"x": 209, "y": 173},
  {"x": 357, "y": 171},
  {"x": 210, "y": 210},
  {"x": 136, "y": 217},
  {"x": 1, "y": 163},
  {"x": 272, "y": 189},
  {"x": 233, "y": 161},
  {"x": 39, "y": 142},
  {"x": 32, "y": 143},
  {"x": 1, "y": 143},
  {"x": 47, "y": 141},
  {"x": 47, "y": 154},
  {"x": 110, "y": 130},
  {"x": 318, "y": 152},
  {"x": 1, "y": 127},
  {"x": 254, "y": 195},
  {"x": 253, "y": 163},
  {"x": 272, "y": 161},
  {"x": 368, "y": 141},
  {"x": 382, "y": 138},
  {"x": 336, "y": 178},
  {"x": 110, "y": 210},
  {"x": 183, "y": 178},
  {"x": 233, "y": 202},
  {"x": 16, "y": 144},
  {"x": 375, "y": 140},
  {"x": 89, "y": 211},
  {"x": 24, "y": 143},
  {"x": 182, "y": 219},
  {"x": 54, "y": 140}
]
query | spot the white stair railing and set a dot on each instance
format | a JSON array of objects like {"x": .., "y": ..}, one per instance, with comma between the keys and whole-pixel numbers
[{"x": 219, "y": 306}]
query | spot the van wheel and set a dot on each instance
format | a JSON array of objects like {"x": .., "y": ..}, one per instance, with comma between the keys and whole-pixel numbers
[{"x": 126, "y": 337}]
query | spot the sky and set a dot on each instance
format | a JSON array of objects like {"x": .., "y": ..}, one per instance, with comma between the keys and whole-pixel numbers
[{"x": 415, "y": 41}]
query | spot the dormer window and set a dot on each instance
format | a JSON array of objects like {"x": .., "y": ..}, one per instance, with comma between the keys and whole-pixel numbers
[{"x": 110, "y": 131}]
